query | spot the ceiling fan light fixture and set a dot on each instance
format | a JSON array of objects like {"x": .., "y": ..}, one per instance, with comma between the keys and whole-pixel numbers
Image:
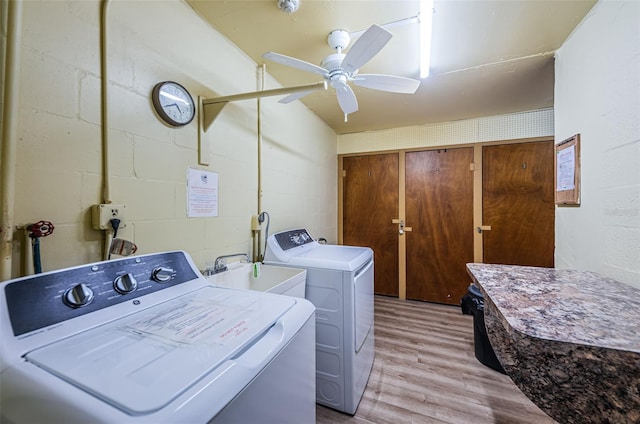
[
  {"x": 426, "y": 26},
  {"x": 288, "y": 6}
]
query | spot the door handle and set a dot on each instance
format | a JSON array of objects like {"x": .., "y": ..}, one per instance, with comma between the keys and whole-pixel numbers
[
  {"x": 482, "y": 228},
  {"x": 402, "y": 228}
]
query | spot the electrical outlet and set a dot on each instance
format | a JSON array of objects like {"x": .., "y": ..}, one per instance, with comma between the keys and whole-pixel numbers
[{"x": 101, "y": 216}]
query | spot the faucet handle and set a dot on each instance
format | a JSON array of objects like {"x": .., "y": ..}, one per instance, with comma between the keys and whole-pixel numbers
[
  {"x": 209, "y": 268},
  {"x": 220, "y": 265}
]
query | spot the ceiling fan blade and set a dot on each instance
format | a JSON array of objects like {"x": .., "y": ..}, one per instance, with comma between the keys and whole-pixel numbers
[
  {"x": 389, "y": 83},
  {"x": 295, "y": 96},
  {"x": 346, "y": 99},
  {"x": 294, "y": 63},
  {"x": 366, "y": 47}
]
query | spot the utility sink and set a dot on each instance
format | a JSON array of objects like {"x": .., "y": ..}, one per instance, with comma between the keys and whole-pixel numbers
[{"x": 272, "y": 279}]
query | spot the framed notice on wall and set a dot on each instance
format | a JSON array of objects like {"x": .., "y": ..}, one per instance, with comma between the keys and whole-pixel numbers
[{"x": 567, "y": 171}]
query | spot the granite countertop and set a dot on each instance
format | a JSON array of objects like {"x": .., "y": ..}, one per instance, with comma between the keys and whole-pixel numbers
[
  {"x": 569, "y": 339},
  {"x": 564, "y": 305}
]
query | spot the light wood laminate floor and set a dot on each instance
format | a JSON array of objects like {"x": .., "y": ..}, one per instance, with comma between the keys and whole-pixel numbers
[{"x": 425, "y": 371}]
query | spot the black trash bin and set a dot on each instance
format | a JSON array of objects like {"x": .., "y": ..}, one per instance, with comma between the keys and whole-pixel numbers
[{"x": 472, "y": 303}]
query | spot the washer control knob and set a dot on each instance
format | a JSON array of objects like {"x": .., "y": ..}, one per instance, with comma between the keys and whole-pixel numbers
[
  {"x": 162, "y": 274},
  {"x": 78, "y": 296},
  {"x": 125, "y": 283}
]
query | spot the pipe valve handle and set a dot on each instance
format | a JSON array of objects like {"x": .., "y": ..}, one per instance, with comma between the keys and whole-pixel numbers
[{"x": 40, "y": 229}]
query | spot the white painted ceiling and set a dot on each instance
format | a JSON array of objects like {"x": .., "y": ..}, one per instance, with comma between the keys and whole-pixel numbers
[{"x": 488, "y": 57}]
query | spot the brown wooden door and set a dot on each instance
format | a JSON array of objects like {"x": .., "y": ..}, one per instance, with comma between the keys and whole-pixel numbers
[
  {"x": 518, "y": 204},
  {"x": 370, "y": 203},
  {"x": 439, "y": 210}
]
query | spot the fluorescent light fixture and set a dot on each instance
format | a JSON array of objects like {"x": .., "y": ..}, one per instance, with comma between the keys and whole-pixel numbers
[{"x": 426, "y": 20}]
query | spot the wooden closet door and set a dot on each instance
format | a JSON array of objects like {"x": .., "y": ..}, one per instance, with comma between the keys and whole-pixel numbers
[
  {"x": 370, "y": 202},
  {"x": 439, "y": 210},
  {"x": 518, "y": 204}
]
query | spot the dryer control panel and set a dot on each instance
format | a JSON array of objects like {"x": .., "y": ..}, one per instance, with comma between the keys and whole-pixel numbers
[{"x": 293, "y": 238}]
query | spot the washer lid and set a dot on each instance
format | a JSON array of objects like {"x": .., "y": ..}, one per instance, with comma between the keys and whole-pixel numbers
[{"x": 142, "y": 362}]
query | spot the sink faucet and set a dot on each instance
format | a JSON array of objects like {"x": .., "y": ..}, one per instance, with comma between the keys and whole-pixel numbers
[{"x": 220, "y": 264}]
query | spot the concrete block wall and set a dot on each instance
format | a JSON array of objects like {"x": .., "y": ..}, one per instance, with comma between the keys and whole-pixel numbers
[{"x": 60, "y": 154}]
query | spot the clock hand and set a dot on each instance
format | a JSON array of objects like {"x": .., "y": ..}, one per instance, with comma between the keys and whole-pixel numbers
[{"x": 176, "y": 105}]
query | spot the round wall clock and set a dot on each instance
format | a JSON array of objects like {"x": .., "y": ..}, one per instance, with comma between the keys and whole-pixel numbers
[{"x": 173, "y": 103}]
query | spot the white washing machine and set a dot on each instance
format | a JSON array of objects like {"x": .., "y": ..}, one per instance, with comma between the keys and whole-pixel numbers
[
  {"x": 149, "y": 340},
  {"x": 340, "y": 285}
]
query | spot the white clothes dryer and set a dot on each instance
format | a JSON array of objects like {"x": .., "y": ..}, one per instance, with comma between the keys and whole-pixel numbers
[{"x": 340, "y": 285}]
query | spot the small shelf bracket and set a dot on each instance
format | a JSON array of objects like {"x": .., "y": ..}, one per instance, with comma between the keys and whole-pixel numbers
[{"x": 211, "y": 108}]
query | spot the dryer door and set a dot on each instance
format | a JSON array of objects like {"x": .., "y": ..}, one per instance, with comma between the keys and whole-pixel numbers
[{"x": 363, "y": 305}]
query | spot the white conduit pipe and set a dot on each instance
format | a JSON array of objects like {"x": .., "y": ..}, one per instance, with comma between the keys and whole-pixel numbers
[
  {"x": 263, "y": 70},
  {"x": 106, "y": 171},
  {"x": 27, "y": 262},
  {"x": 10, "y": 133},
  {"x": 256, "y": 234}
]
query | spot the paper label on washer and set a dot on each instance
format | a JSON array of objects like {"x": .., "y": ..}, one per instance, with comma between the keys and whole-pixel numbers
[{"x": 215, "y": 320}]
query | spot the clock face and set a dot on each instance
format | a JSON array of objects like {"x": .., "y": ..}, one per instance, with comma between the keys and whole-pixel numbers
[{"x": 173, "y": 103}]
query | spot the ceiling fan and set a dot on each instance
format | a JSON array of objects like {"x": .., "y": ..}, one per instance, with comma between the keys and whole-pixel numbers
[{"x": 339, "y": 69}]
